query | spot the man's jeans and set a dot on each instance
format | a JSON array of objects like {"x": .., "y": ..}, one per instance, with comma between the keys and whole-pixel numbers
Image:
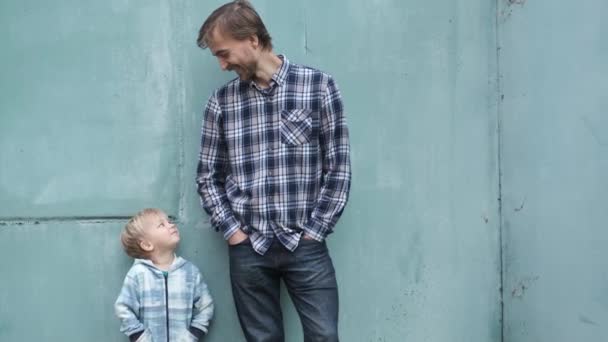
[{"x": 308, "y": 274}]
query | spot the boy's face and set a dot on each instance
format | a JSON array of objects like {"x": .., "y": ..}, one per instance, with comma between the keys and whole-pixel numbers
[{"x": 160, "y": 234}]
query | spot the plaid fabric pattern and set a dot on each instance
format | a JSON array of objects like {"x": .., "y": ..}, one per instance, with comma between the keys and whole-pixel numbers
[
  {"x": 141, "y": 305},
  {"x": 275, "y": 162}
]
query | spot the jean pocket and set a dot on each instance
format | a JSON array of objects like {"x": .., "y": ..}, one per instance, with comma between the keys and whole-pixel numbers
[
  {"x": 296, "y": 127},
  {"x": 311, "y": 243},
  {"x": 307, "y": 239},
  {"x": 242, "y": 243}
]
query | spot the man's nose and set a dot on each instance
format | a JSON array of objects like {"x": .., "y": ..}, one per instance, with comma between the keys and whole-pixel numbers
[{"x": 223, "y": 64}]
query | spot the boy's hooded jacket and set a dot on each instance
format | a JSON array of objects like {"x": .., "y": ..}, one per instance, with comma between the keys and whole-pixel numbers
[{"x": 164, "y": 308}]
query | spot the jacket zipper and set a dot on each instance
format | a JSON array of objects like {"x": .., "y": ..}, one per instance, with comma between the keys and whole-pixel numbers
[{"x": 167, "y": 303}]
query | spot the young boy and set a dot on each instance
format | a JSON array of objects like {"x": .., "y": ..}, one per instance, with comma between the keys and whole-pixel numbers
[{"x": 163, "y": 297}]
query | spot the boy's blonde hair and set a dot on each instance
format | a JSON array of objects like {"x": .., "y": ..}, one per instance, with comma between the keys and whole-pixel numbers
[{"x": 133, "y": 233}]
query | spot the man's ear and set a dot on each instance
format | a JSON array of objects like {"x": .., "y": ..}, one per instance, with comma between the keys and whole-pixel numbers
[
  {"x": 255, "y": 42},
  {"x": 146, "y": 245}
]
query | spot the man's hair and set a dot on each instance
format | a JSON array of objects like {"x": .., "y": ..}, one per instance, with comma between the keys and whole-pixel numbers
[
  {"x": 133, "y": 233},
  {"x": 237, "y": 19}
]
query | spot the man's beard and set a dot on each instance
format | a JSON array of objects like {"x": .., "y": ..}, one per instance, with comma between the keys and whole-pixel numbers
[{"x": 244, "y": 73}]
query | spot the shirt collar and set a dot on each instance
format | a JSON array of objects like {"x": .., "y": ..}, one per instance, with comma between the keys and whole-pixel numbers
[{"x": 278, "y": 78}]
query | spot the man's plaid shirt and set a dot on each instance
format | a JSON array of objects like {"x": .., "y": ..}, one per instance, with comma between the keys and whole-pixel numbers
[{"x": 275, "y": 162}]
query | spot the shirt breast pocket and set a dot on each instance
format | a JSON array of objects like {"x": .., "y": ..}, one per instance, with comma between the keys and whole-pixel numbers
[{"x": 296, "y": 126}]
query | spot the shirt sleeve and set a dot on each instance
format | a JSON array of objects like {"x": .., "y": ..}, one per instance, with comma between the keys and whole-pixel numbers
[
  {"x": 211, "y": 171},
  {"x": 335, "y": 151},
  {"x": 127, "y": 307},
  {"x": 202, "y": 309}
]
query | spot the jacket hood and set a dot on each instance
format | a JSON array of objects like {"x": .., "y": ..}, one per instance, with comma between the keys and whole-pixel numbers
[{"x": 177, "y": 263}]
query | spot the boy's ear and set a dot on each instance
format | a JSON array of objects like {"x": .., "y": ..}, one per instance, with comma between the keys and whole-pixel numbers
[{"x": 146, "y": 245}]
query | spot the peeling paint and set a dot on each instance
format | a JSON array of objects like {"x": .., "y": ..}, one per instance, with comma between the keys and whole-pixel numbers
[
  {"x": 597, "y": 128},
  {"x": 521, "y": 207},
  {"x": 520, "y": 289},
  {"x": 306, "y": 48},
  {"x": 516, "y": 2},
  {"x": 19, "y": 221},
  {"x": 507, "y": 11},
  {"x": 584, "y": 319}
]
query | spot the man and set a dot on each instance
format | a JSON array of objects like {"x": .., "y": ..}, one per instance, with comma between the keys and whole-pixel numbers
[{"x": 274, "y": 176}]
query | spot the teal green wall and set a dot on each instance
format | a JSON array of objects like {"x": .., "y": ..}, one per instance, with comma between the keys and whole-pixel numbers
[
  {"x": 554, "y": 164},
  {"x": 475, "y": 125},
  {"x": 89, "y": 99}
]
